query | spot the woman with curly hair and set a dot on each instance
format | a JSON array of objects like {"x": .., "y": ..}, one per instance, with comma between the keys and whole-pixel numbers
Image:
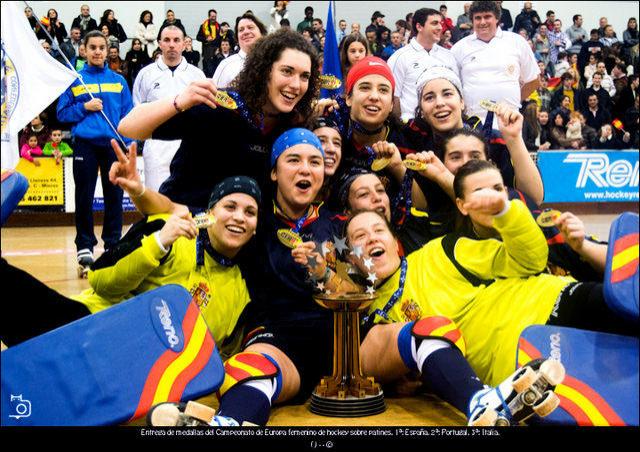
[{"x": 273, "y": 93}]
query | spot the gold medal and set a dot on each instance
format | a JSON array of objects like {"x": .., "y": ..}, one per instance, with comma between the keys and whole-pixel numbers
[
  {"x": 414, "y": 165},
  {"x": 330, "y": 82},
  {"x": 546, "y": 218},
  {"x": 489, "y": 106},
  {"x": 204, "y": 220},
  {"x": 226, "y": 101},
  {"x": 380, "y": 164},
  {"x": 289, "y": 238}
]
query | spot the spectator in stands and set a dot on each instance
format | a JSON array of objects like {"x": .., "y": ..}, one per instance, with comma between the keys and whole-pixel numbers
[
  {"x": 116, "y": 64},
  {"x": 115, "y": 29},
  {"x": 558, "y": 135},
  {"x": 341, "y": 32},
  {"x": 354, "y": 48},
  {"x": 609, "y": 37},
  {"x": 70, "y": 46},
  {"x": 227, "y": 32},
  {"x": 318, "y": 28},
  {"x": 248, "y": 30},
  {"x": 136, "y": 59},
  {"x": 576, "y": 34},
  {"x": 566, "y": 89},
  {"x": 92, "y": 144},
  {"x": 592, "y": 67},
  {"x": 209, "y": 36},
  {"x": 527, "y": 19},
  {"x": 57, "y": 148},
  {"x": 35, "y": 24},
  {"x": 574, "y": 131},
  {"x": 112, "y": 40},
  {"x": 377, "y": 21},
  {"x": 542, "y": 45},
  {"x": 447, "y": 23},
  {"x": 534, "y": 134},
  {"x": 146, "y": 32},
  {"x": 445, "y": 40},
  {"x": 627, "y": 97},
  {"x": 494, "y": 64},
  {"x": 278, "y": 12},
  {"x": 562, "y": 64},
  {"x": 395, "y": 44},
  {"x": 308, "y": 35},
  {"x": 619, "y": 77},
  {"x": 171, "y": 20},
  {"x": 592, "y": 47},
  {"x": 595, "y": 114},
  {"x": 609, "y": 140},
  {"x": 54, "y": 53},
  {"x": 631, "y": 117},
  {"x": 551, "y": 17},
  {"x": 308, "y": 20},
  {"x": 284, "y": 23},
  {"x": 372, "y": 41},
  {"x": 464, "y": 23},
  {"x": 84, "y": 21},
  {"x": 56, "y": 29},
  {"x": 403, "y": 28},
  {"x": 506, "y": 23},
  {"x": 604, "y": 99},
  {"x": 607, "y": 81},
  {"x": 192, "y": 56},
  {"x": 558, "y": 41},
  {"x": 542, "y": 95},
  {"x": 30, "y": 149},
  {"x": 355, "y": 28},
  {"x": 224, "y": 52},
  {"x": 79, "y": 62},
  {"x": 589, "y": 134},
  {"x": 602, "y": 23},
  {"x": 630, "y": 39}
]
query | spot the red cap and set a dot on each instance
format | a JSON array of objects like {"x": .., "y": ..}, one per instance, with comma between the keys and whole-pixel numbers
[{"x": 367, "y": 66}]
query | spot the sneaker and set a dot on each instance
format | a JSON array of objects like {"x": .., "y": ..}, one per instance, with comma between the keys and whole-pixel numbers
[
  {"x": 85, "y": 260},
  {"x": 526, "y": 392},
  {"x": 190, "y": 414}
]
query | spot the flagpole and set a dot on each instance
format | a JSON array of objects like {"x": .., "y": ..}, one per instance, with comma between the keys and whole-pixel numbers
[{"x": 56, "y": 46}]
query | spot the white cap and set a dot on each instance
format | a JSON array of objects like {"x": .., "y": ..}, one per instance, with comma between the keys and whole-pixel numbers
[{"x": 435, "y": 72}]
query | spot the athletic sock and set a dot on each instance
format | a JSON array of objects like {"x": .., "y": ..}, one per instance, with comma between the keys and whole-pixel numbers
[
  {"x": 444, "y": 370},
  {"x": 244, "y": 403}
]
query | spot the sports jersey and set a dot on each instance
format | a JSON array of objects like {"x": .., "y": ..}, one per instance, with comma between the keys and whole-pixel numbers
[
  {"x": 216, "y": 143},
  {"x": 157, "y": 81},
  {"x": 137, "y": 264},
  {"x": 491, "y": 289},
  {"x": 228, "y": 69}
]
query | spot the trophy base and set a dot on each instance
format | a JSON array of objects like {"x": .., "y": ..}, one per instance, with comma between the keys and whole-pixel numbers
[{"x": 347, "y": 407}]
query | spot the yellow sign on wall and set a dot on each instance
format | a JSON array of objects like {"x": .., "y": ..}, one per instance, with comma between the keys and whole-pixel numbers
[{"x": 46, "y": 182}]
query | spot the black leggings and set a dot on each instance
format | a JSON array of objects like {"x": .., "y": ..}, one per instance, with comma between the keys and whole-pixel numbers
[
  {"x": 36, "y": 310},
  {"x": 582, "y": 305}
]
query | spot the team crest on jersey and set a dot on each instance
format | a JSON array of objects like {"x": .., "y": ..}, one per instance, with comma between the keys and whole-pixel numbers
[
  {"x": 10, "y": 92},
  {"x": 411, "y": 310},
  {"x": 200, "y": 294}
]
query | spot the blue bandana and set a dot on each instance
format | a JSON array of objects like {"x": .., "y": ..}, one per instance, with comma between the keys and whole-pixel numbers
[{"x": 291, "y": 138}]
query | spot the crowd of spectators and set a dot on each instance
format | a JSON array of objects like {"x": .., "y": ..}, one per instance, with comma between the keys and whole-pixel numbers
[{"x": 593, "y": 74}]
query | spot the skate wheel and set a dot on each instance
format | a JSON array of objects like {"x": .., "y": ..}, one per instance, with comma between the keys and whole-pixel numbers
[
  {"x": 523, "y": 380},
  {"x": 553, "y": 372},
  {"x": 530, "y": 396},
  {"x": 485, "y": 418},
  {"x": 502, "y": 422},
  {"x": 164, "y": 415},
  {"x": 547, "y": 404},
  {"x": 199, "y": 411}
]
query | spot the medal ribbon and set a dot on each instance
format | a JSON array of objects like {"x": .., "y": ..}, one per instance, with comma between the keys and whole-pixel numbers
[
  {"x": 203, "y": 243},
  {"x": 384, "y": 312}
]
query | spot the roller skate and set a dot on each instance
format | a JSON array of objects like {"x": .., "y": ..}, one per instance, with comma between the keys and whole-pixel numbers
[
  {"x": 85, "y": 261},
  {"x": 190, "y": 414},
  {"x": 526, "y": 392}
]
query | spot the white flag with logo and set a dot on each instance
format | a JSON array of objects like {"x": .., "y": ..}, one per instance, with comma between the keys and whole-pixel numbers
[{"x": 31, "y": 79}]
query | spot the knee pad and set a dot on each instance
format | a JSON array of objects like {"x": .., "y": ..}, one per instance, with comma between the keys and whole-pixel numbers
[
  {"x": 250, "y": 366},
  {"x": 438, "y": 327}
]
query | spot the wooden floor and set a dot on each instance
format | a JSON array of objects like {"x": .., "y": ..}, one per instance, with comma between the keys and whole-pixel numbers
[{"x": 49, "y": 254}]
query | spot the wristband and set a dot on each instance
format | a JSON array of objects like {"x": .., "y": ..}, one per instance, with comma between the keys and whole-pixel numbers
[
  {"x": 140, "y": 195},
  {"x": 160, "y": 245},
  {"x": 175, "y": 105}
]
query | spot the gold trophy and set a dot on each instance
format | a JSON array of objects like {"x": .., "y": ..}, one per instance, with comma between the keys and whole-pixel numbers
[{"x": 347, "y": 392}]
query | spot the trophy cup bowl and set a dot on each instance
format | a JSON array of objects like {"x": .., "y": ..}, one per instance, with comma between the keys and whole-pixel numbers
[{"x": 347, "y": 392}]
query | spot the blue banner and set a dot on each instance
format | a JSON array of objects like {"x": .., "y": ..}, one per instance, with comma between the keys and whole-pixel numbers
[
  {"x": 331, "y": 63},
  {"x": 589, "y": 176}
]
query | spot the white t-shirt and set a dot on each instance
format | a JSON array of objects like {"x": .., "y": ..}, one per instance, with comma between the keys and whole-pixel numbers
[
  {"x": 157, "y": 81},
  {"x": 407, "y": 63},
  {"x": 228, "y": 69},
  {"x": 494, "y": 70}
]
